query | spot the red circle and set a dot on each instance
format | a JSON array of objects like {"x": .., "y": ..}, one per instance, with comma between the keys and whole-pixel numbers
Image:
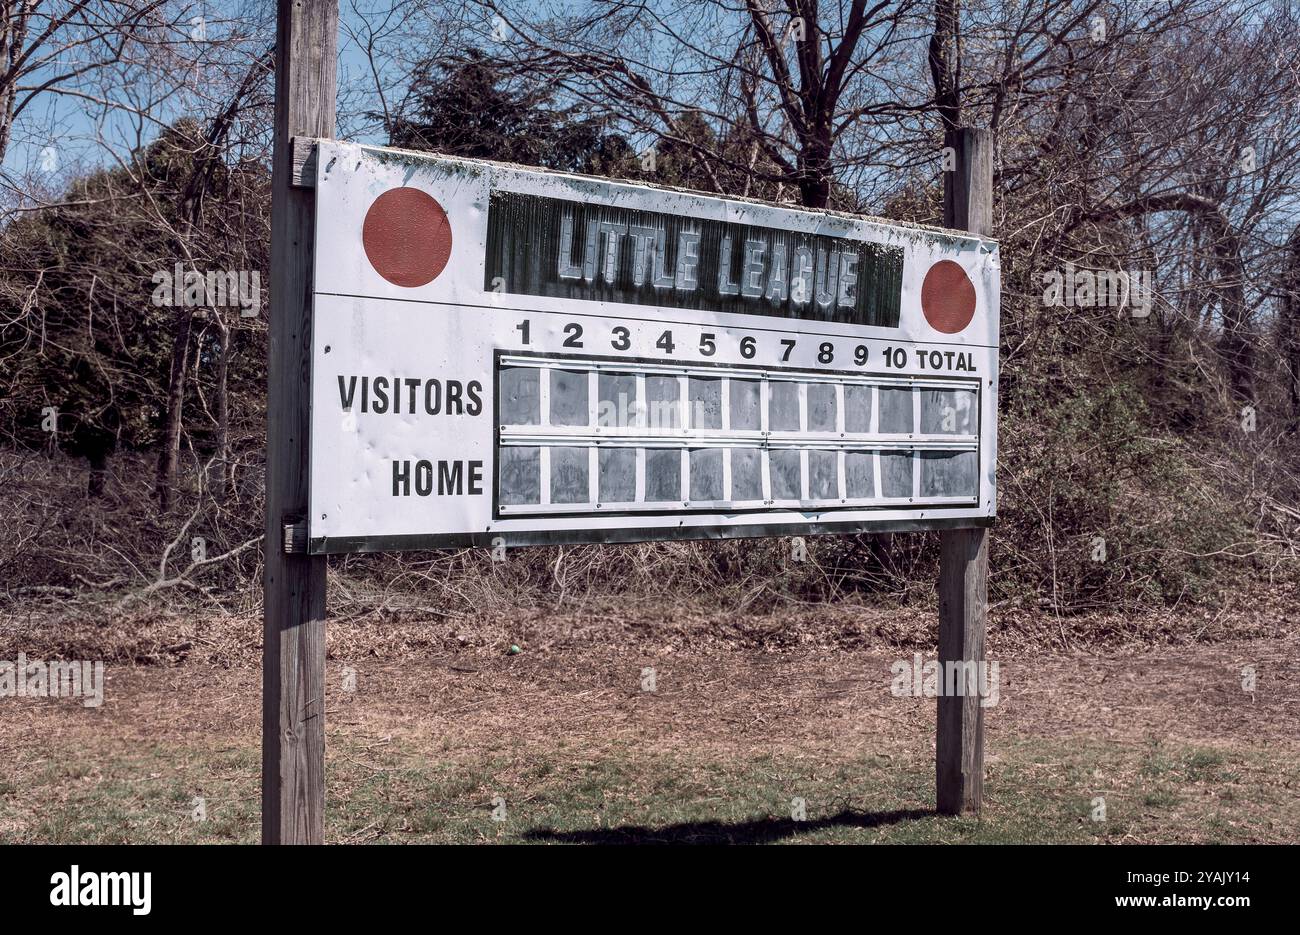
[
  {"x": 947, "y": 297},
  {"x": 407, "y": 237}
]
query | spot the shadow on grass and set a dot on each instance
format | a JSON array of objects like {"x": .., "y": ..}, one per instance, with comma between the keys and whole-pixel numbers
[{"x": 761, "y": 831}]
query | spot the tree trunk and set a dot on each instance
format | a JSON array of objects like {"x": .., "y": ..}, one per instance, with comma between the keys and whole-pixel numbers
[
  {"x": 170, "y": 454},
  {"x": 14, "y": 22},
  {"x": 945, "y": 64},
  {"x": 222, "y": 483},
  {"x": 1236, "y": 344},
  {"x": 98, "y": 473},
  {"x": 815, "y": 171},
  {"x": 1288, "y": 326}
]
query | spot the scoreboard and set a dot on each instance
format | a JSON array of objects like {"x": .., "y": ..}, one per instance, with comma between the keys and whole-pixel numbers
[{"x": 512, "y": 356}]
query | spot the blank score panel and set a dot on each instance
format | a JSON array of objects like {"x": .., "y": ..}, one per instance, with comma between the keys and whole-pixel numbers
[{"x": 587, "y": 436}]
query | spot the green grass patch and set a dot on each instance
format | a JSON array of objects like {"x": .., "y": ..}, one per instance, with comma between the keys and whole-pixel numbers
[{"x": 1034, "y": 792}]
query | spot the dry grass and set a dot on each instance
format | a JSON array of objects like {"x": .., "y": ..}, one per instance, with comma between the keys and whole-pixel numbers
[
  {"x": 565, "y": 736},
  {"x": 162, "y": 637}
]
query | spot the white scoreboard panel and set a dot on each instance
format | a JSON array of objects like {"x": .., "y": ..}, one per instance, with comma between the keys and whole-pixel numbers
[{"x": 513, "y": 356}]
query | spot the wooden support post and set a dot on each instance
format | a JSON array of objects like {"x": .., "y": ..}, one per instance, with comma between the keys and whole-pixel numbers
[
  {"x": 963, "y": 595},
  {"x": 293, "y": 650},
  {"x": 964, "y": 560}
]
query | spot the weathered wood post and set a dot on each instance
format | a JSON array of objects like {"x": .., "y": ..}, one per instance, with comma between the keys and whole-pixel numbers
[
  {"x": 293, "y": 652},
  {"x": 964, "y": 557}
]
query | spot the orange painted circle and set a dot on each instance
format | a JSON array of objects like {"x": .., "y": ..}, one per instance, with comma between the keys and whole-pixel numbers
[
  {"x": 947, "y": 297},
  {"x": 407, "y": 237}
]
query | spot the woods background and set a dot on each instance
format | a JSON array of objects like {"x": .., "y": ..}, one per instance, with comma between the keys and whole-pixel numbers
[{"x": 1148, "y": 453}]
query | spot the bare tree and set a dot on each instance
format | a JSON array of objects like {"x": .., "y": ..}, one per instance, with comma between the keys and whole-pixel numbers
[
  {"x": 55, "y": 46},
  {"x": 191, "y": 206},
  {"x": 795, "y": 84}
]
